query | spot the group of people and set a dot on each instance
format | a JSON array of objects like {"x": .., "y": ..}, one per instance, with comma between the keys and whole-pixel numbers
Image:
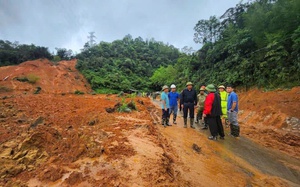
[{"x": 213, "y": 106}]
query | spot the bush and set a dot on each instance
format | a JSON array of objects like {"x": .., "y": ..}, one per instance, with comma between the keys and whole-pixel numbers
[
  {"x": 22, "y": 79},
  {"x": 106, "y": 91},
  {"x": 77, "y": 92},
  {"x": 124, "y": 107},
  {"x": 32, "y": 78}
]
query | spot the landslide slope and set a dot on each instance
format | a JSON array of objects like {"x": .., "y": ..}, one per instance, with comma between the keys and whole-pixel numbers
[{"x": 62, "y": 77}]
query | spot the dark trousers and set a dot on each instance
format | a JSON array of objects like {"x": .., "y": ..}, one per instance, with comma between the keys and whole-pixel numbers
[
  {"x": 165, "y": 114},
  {"x": 188, "y": 107},
  {"x": 199, "y": 114},
  {"x": 215, "y": 126}
]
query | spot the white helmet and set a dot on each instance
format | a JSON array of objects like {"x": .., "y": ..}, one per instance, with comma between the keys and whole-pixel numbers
[{"x": 173, "y": 86}]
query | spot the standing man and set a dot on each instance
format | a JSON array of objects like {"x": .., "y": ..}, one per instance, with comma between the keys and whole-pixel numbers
[
  {"x": 201, "y": 99},
  {"x": 188, "y": 102},
  {"x": 224, "y": 98},
  {"x": 212, "y": 111},
  {"x": 165, "y": 105},
  {"x": 173, "y": 97},
  {"x": 233, "y": 108}
]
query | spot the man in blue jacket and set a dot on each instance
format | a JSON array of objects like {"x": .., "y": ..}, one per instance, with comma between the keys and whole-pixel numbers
[
  {"x": 173, "y": 97},
  {"x": 233, "y": 109}
]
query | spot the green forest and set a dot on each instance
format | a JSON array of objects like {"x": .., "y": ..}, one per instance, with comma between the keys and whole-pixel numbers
[
  {"x": 251, "y": 45},
  {"x": 254, "y": 44},
  {"x": 125, "y": 64}
]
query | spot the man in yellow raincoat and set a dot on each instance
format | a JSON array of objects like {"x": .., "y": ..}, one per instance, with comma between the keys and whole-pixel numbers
[{"x": 224, "y": 98}]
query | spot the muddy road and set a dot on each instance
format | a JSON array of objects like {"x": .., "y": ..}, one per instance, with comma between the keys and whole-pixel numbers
[{"x": 223, "y": 162}]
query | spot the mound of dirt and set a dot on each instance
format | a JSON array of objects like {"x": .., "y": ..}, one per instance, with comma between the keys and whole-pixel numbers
[
  {"x": 70, "y": 140},
  {"x": 272, "y": 118},
  {"x": 43, "y": 76}
]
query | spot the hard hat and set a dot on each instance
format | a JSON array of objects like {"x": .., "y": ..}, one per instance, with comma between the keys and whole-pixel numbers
[{"x": 173, "y": 86}]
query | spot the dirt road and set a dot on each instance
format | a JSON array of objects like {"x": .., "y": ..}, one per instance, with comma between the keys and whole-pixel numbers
[{"x": 229, "y": 162}]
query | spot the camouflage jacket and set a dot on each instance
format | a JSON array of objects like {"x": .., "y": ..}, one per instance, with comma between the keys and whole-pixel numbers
[{"x": 201, "y": 99}]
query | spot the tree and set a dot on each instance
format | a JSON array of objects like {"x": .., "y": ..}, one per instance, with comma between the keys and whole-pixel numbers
[{"x": 207, "y": 30}]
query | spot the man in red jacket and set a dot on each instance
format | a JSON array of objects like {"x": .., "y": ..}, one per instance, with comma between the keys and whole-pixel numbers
[{"x": 212, "y": 112}]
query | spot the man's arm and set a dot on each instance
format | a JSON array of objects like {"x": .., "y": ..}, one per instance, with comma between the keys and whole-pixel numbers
[
  {"x": 165, "y": 104},
  {"x": 195, "y": 98},
  {"x": 208, "y": 105},
  {"x": 233, "y": 106},
  {"x": 182, "y": 98},
  {"x": 234, "y": 101}
]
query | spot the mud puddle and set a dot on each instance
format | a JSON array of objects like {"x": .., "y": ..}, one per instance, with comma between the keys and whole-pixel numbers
[{"x": 266, "y": 160}]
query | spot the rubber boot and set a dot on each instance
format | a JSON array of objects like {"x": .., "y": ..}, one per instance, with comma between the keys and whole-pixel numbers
[
  {"x": 164, "y": 121},
  {"x": 192, "y": 123},
  {"x": 174, "y": 119},
  {"x": 231, "y": 129},
  {"x": 168, "y": 122},
  {"x": 185, "y": 122},
  {"x": 215, "y": 138},
  {"x": 205, "y": 126}
]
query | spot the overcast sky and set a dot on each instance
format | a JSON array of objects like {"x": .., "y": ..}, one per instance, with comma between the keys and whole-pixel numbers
[{"x": 66, "y": 23}]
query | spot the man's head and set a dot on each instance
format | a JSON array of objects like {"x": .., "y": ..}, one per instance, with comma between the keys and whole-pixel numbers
[
  {"x": 230, "y": 88},
  {"x": 189, "y": 85},
  {"x": 221, "y": 88},
  {"x": 165, "y": 88},
  {"x": 210, "y": 88},
  {"x": 173, "y": 88}
]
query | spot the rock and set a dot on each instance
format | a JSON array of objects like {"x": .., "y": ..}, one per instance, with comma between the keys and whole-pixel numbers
[
  {"x": 38, "y": 90},
  {"x": 109, "y": 110},
  {"x": 39, "y": 120},
  {"x": 127, "y": 110},
  {"x": 141, "y": 102},
  {"x": 131, "y": 105},
  {"x": 7, "y": 153},
  {"x": 93, "y": 122},
  {"x": 196, "y": 148}
]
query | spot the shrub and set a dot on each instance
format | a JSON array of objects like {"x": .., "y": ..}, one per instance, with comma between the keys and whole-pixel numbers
[
  {"x": 22, "y": 79},
  {"x": 124, "y": 107},
  {"x": 77, "y": 92},
  {"x": 32, "y": 78}
]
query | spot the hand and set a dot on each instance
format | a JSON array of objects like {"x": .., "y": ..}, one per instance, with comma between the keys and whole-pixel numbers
[
  {"x": 181, "y": 106},
  {"x": 204, "y": 115},
  {"x": 166, "y": 109}
]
